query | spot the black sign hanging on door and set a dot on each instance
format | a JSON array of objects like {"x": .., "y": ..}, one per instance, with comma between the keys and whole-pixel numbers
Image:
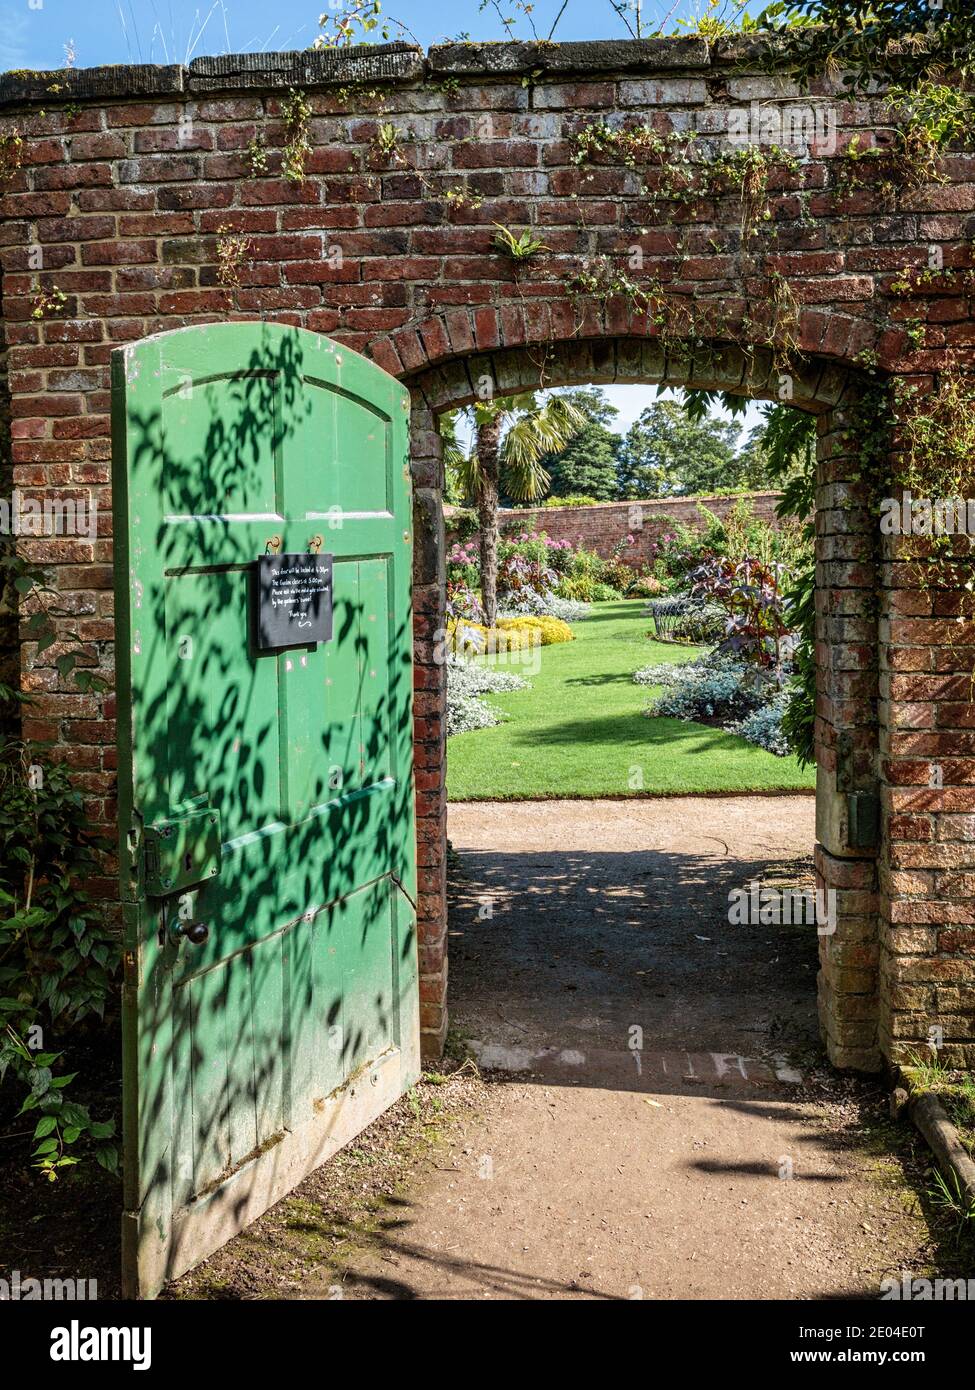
[{"x": 294, "y": 600}]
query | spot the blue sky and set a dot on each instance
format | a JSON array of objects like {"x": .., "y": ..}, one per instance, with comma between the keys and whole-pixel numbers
[
  {"x": 631, "y": 401},
  {"x": 34, "y": 33}
]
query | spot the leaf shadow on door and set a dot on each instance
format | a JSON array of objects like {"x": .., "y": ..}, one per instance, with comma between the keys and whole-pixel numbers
[{"x": 247, "y": 1037}]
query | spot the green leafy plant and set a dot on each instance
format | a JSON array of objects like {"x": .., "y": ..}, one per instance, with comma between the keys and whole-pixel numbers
[
  {"x": 386, "y": 142},
  {"x": 57, "y": 958},
  {"x": 870, "y": 43},
  {"x": 27, "y": 594},
  {"x": 257, "y": 156},
  {"x": 296, "y": 113},
  {"x": 232, "y": 252},
  {"x": 519, "y": 248},
  {"x": 47, "y": 303},
  {"x": 11, "y": 154}
]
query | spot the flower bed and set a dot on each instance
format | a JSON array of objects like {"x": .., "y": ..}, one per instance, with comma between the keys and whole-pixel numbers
[
  {"x": 722, "y": 690},
  {"x": 467, "y": 682}
]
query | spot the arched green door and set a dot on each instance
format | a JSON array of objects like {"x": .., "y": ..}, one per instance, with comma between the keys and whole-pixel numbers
[{"x": 263, "y": 554}]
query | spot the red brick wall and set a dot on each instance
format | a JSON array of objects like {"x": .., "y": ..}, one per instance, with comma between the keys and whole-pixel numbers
[
  {"x": 604, "y": 526},
  {"x": 127, "y": 177}
]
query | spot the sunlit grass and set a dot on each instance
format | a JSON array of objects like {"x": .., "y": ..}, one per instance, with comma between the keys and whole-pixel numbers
[{"x": 581, "y": 731}]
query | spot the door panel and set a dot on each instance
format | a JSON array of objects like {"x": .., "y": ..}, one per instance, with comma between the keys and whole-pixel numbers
[{"x": 254, "y": 1053}]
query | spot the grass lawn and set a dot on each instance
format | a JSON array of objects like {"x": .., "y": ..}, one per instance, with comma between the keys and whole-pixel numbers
[{"x": 580, "y": 730}]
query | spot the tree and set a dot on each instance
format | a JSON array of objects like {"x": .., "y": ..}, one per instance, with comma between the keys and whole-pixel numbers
[
  {"x": 453, "y": 459},
  {"x": 777, "y": 449},
  {"x": 589, "y": 463},
  {"x": 666, "y": 453},
  {"x": 911, "y": 40},
  {"x": 776, "y": 452},
  {"x": 511, "y": 437}
]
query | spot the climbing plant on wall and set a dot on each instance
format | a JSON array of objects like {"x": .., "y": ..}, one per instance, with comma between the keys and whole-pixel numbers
[{"x": 58, "y": 958}]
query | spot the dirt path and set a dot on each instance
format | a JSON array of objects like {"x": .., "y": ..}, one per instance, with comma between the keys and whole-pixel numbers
[{"x": 662, "y": 1075}]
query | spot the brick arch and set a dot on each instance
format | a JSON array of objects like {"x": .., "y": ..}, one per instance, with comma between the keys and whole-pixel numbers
[
  {"x": 847, "y": 749},
  {"x": 620, "y": 339},
  {"x": 810, "y": 383}
]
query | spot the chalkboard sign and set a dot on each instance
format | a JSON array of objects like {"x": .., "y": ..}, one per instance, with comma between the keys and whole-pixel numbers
[{"x": 294, "y": 600}]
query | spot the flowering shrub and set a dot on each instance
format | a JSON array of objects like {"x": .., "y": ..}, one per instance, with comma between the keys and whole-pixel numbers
[
  {"x": 549, "y": 629},
  {"x": 534, "y": 570},
  {"x": 589, "y": 578},
  {"x": 616, "y": 572},
  {"x": 463, "y": 565},
  {"x": 463, "y": 582},
  {"x": 646, "y": 586},
  {"x": 673, "y": 554},
  {"x": 530, "y": 568}
]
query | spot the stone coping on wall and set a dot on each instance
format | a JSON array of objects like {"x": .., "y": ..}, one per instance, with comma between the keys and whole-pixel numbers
[{"x": 378, "y": 63}]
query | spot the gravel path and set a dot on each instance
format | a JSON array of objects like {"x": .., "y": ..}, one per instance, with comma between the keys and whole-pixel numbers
[{"x": 663, "y": 1125}]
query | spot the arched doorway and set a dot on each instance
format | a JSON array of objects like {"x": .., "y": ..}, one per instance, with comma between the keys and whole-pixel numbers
[{"x": 848, "y": 643}]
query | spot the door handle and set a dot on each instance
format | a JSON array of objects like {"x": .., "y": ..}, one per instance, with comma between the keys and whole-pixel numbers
[{"x": 196, "y": 933}]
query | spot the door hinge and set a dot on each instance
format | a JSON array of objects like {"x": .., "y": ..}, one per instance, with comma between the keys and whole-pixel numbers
[
  {"x": 182, "y": 851},
  {"x": 862, "y": 803}
]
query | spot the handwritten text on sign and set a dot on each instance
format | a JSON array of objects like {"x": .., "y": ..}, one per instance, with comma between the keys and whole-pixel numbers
[{"x": 294, "y": 600}]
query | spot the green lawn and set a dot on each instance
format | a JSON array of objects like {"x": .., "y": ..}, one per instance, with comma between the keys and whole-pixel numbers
[{"x": 580, "y": 731}]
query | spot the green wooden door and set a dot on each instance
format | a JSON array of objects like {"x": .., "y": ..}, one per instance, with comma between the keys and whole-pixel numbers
[{"x": 266, "y": 815}]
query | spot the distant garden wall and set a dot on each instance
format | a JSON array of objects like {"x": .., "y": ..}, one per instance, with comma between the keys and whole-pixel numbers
[{"x": 603, "y": 525}]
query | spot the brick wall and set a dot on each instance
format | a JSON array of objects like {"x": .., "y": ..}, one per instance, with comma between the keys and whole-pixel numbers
[
  {"x": 9, "y": 649},
  {"x": 606, "y": 525},
  {"x": 128, "y": 177}
]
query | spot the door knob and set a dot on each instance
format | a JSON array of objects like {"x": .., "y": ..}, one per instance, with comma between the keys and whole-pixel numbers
[{"x": 195, "y": 932}]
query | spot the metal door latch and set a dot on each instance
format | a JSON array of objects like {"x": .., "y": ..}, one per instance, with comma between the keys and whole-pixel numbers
[{"x": 182, "y": 851}]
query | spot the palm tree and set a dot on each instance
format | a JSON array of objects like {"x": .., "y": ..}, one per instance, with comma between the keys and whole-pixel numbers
[{"x": 511, "y": 435}]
